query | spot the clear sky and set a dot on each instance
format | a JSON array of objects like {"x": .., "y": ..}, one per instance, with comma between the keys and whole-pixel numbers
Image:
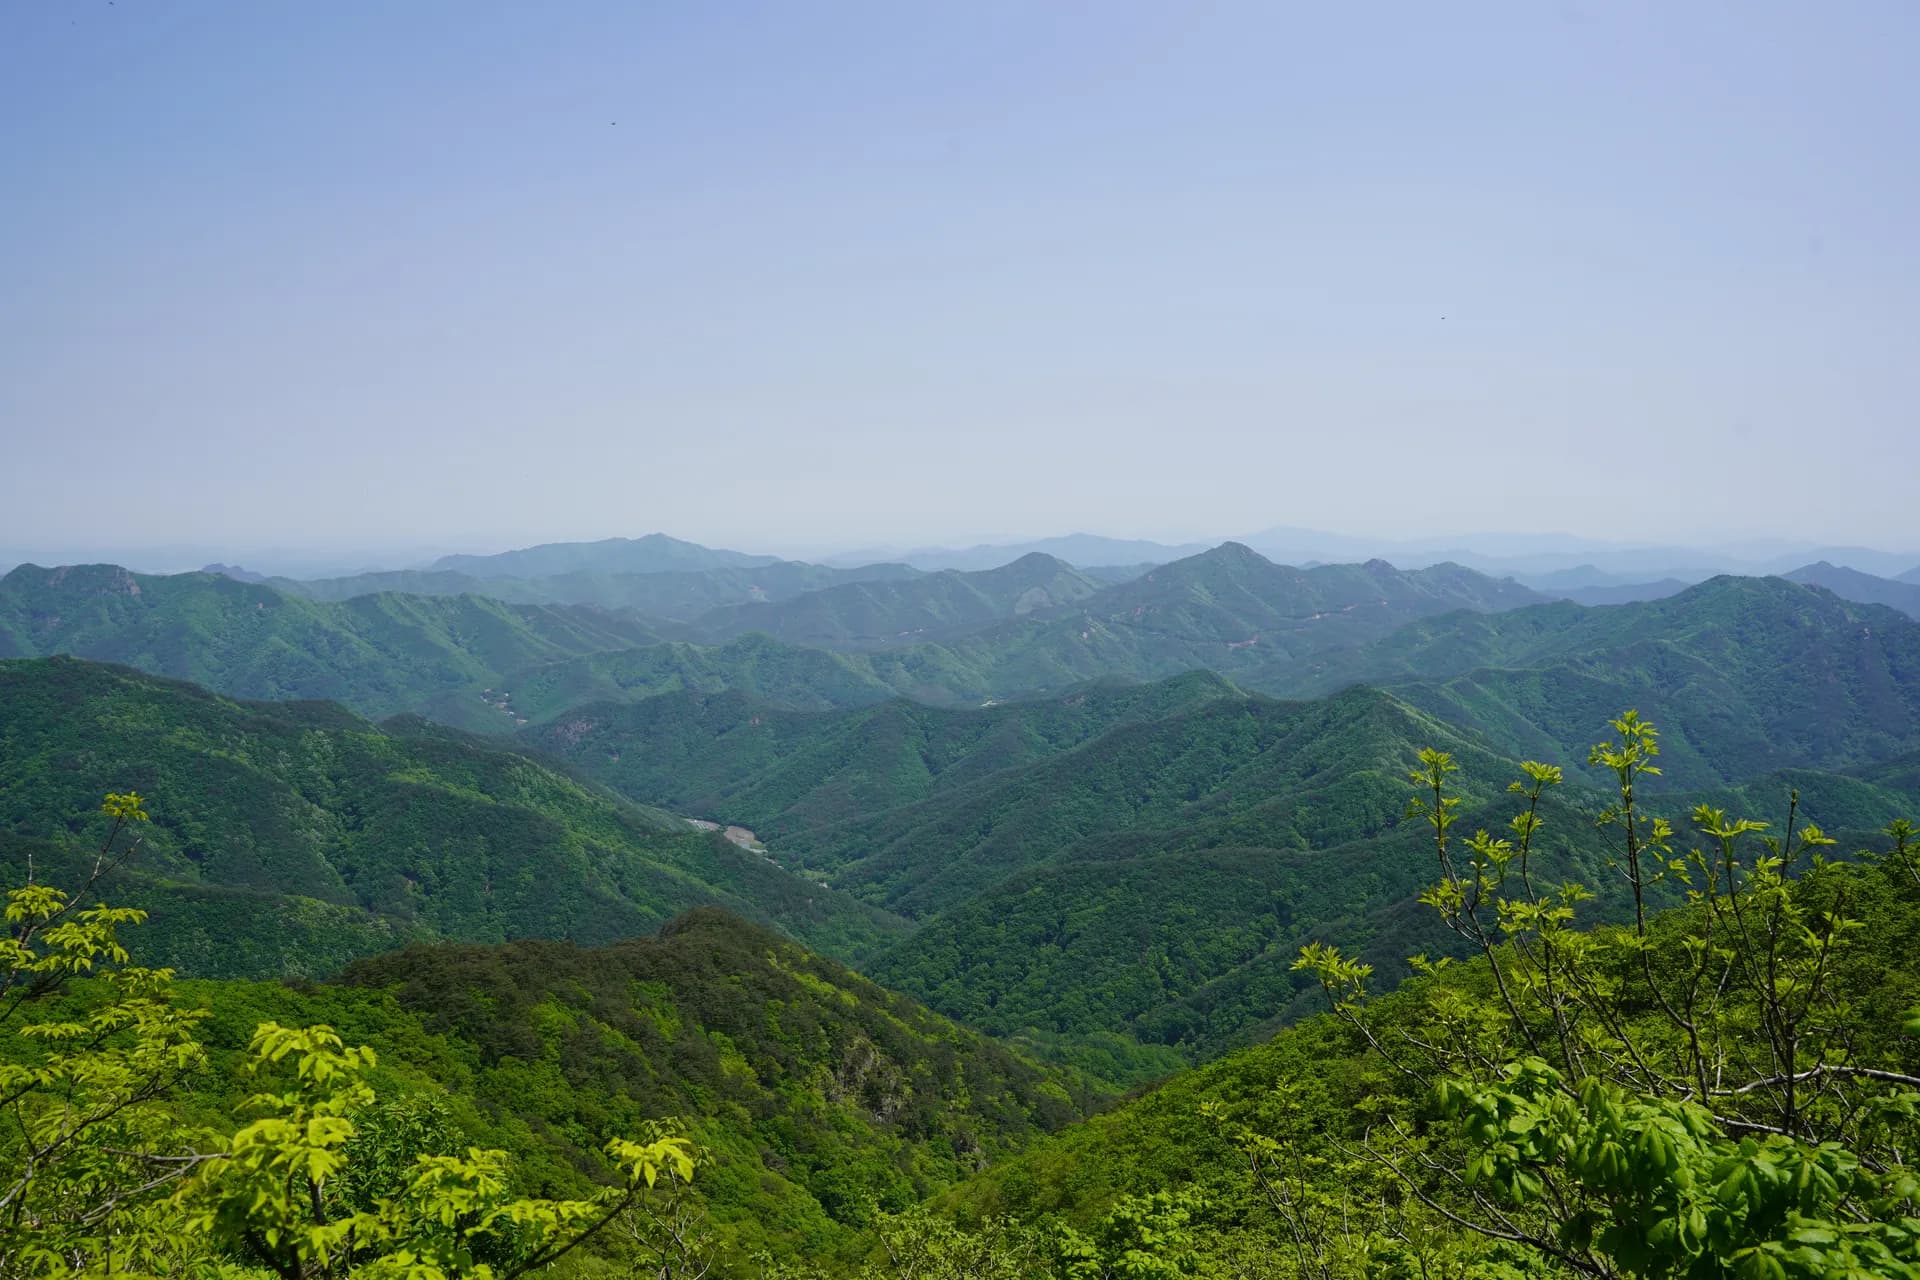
[{"x": 809, "y": 273}]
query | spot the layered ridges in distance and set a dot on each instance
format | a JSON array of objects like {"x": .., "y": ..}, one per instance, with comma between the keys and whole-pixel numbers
[
  {"x": 1861, "y": 588},
  {"x": 667, "y": 595},
  {"x": 1233, "y": 594},
  {"x": 1227, "y": 609},
  {"x": 287, "y": 838},
  {"x": 877, "y": 614},
  {"x": 653, "y": 553},
  {"x": 375, "y": 654},
  {"x": 1747, "y": 674}
]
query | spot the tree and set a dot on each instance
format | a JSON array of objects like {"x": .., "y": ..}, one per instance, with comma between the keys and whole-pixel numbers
[
  {"x": 1690, "y": 1093},
  {"x": 88, "y": 1147},
  {"x": 322, "y": 1179}
]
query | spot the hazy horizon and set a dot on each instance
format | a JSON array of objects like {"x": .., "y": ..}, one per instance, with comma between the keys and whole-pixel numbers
[
  {"x": 1493, "y": 548},
  {"x": 468, "y": 278}
]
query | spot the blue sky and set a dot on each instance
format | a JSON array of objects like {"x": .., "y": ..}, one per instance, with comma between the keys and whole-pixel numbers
[{"x": 795, "y": 275}]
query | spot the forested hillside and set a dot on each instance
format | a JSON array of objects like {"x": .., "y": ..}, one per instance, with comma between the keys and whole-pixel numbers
[
  {"x": 1753, "y": 674},
  {"x": 375, "y": 654},
  {"x": 814, "y": 1095},
  {"x": 290, "y": 838},
  {"x": 667, "y": 594},
  {"x": 877, "y": 614},
  {"x": 1478, "y": 1120},
  {"x": 1861, "y": 588}
]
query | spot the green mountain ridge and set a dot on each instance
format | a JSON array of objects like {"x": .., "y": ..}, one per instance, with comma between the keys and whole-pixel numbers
[
  {"x": 879, "y": 614},
  {"x": 1861, "y": 588},
  {"x": 676, "y": 595},
  {"x": 814, "y": 1093},
  {"x": 289, "y": 838},
  {"x": 653, "y": 553},
  {"x": 1084, "y": 865},
  {"x": 375, "y": 654},
  {"x": 1750, "y": 674}
]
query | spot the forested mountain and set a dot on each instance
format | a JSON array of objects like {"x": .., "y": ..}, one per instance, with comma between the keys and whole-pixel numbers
[
  {"x": 654, "y": 553},
  {"x": 289, "y": 838},
  {"x": 1226, "y": 610},
  {"x": 669, "y": 595},
  {"x": 814, "y": 1095},
  {"x": 1120, "y": 879},
  {"x": 1142, "y": 860},
  {"x": 1278, "y": 1147},
  {"x": 1752, "y": 674},
  {"x": 775, "y": 674},
  {"x": 375, "y": 654},
  {"x": 1861, "y": 588},
  {"x": 1032, "y": 627},
  {"x": 783, "y": 770},
  {"x": 1911, "y": 575},
  {"x": 1233, "y": 595},
  {"x": 877, "y": 614}
]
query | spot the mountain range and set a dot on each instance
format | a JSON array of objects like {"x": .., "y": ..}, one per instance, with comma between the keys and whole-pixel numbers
[
  {"x": 288, "y": 838},
  {"x": 376, "y": 654},
  {"x": 600, "y": 869}
]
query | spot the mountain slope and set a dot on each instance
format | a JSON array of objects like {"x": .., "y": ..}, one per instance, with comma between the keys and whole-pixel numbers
[
  {"x": 669, "y": 594},
  {"x": 1100, "y": 863},
  {"x": 1234, "y": 595},
  {"x": 1748, "y": 675},
  {"x": 1861, "y": 588},
  {"x": 1138, "y": 859},
  {"x": 1226, "y": 610},
  {"x": 654, "y": 553},
  {"x": 375, "y": 654},
  {"x": 812, "y": 1092},
  {"x": 775, "y": 674},
  {"x": 877, "y": 614},
  {"x": 781, "y": 771},
  {"x": 287, "y": 838}
]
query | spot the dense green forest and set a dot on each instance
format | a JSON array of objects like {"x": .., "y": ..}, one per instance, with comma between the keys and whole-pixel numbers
[
  {"x": 1073, "y": 845},
  {"x": 879, "y": 614},
  {"x": 1141, "y": 860},
  {"x": 814, "y": 1096},
  {"x": 288, "y": 838},
  {"x": 1725, "y": 1088},
  {"x": 671, "y": 595},
  {"x": 375, "y": 654}
]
